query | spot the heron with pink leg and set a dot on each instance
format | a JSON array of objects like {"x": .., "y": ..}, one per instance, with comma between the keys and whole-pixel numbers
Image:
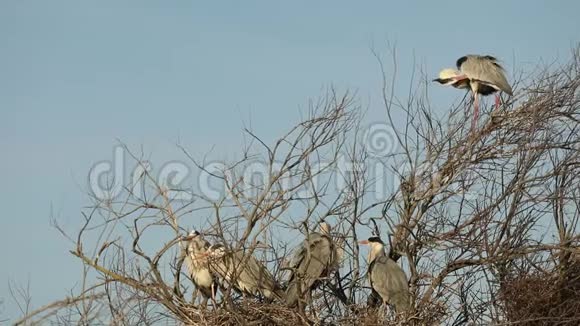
[{"x": 482, "y": 74}]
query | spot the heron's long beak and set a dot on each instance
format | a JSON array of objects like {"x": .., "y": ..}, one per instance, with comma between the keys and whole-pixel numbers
[
  {"x": 444, "y": 81},
  {"x": 364, "y": 242}
]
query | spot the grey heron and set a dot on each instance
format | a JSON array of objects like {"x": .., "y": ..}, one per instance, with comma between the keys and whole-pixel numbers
[
  {"x": 387, "y": 278},
  {"x": 314, "y": 259},
  {"x": 197, "y": 267},
  {"x": 243, "y": 272},
  {"x": 480, "y": 73}
]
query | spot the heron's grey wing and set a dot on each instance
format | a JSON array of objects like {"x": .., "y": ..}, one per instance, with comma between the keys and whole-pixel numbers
[
  {"x": 299, "y": 255},
  {"x": 301, "y": 252},
  {"x": 486, "y": 71},
  {"x": 320, "y": 257},
  {"x": 222, "y": 268},
  {"x": 237, "y": 272},
  {"x": 463, "y": 59},
  {"x": 256, "y": 277},
  {"x": 389, "y": 280},
  {"x": 292, "y": 290},
  {"x": 269, "y": 287},
  {"x": 315, "y": 260}
]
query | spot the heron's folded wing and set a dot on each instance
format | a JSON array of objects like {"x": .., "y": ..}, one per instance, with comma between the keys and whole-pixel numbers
[{"x": 486, "y": 71}]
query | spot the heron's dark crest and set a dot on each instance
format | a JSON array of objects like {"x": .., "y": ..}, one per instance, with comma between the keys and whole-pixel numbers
[
  {"x": 460, "y": 61},
  {"x": 489, "y": 57},
  {"x": 376, "y": 239},
  {"x": 492, "y": 59}
]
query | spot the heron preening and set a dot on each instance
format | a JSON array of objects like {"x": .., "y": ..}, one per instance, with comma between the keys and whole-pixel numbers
[
  {"x": 480, "y": 73},
  {"x": 387, "y": 278},
  {"x": 196, "y": 263},
  {"x": 314, "y": 259},
  {"x": 243, "y": 272}
]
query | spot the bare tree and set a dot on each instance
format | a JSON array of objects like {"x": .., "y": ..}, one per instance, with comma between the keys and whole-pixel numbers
[{"x": 481, "y": 220}]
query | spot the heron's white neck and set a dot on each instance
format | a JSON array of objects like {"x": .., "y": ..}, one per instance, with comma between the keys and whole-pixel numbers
[{"x": 377, "y": 250}]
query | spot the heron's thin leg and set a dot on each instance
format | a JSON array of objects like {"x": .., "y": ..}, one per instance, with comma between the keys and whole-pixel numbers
[
  {"x": 475, "y": 111},
  {"x": 213, "y": 289},
  {"x": 497, "y": 101},
  {"x": 194, "y": 295},
  {"x": 310, "y": 302}
]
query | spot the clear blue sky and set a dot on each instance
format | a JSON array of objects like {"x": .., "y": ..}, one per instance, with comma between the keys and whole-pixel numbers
[{"x": 77, "y": 75}]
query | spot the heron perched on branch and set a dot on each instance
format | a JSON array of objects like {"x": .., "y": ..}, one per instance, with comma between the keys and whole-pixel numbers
[
  {"x": 480, "y": 73},
  {"x": 313, "y": 260},
  {"x": 387, "y": 278},
  {"x": 196, "y": 263},
  {"x": 243, "y": 272}
]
